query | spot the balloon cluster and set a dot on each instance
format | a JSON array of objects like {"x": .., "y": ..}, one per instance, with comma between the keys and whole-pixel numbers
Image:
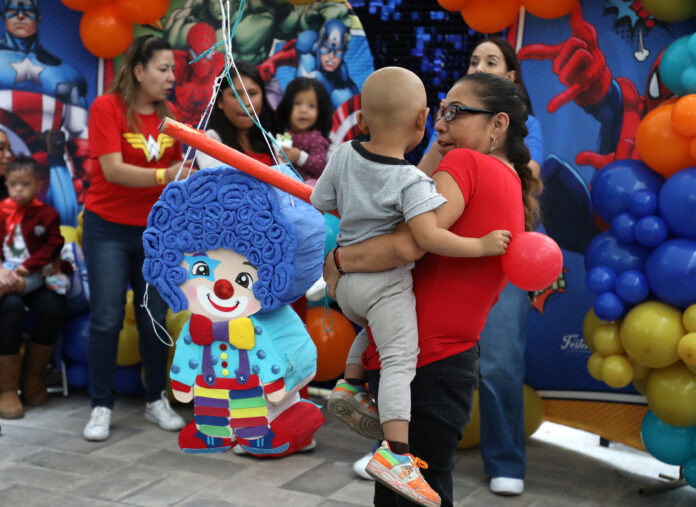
[
  {"x": 106, "y": 27},
  {"x": 490, "y": 16}
]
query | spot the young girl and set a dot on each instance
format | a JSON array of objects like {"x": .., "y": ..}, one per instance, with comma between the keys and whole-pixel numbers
[{"x": 306, "y": 111}]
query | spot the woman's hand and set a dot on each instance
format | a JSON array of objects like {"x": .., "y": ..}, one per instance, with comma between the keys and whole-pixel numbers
[
  {"x": 8, "y": 279},
  {"x": 186, "y": 171},
  {"x": 331, "y": 274}
]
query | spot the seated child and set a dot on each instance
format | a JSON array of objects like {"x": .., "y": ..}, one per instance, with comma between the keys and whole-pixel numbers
[
  {"x": 30, "y": 229},
  {"x": 306, "y": 111},
  {"x": 374, "y": 189}
]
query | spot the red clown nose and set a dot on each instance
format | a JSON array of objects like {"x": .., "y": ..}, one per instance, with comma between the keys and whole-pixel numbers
[{"x": 223, "y": 289}]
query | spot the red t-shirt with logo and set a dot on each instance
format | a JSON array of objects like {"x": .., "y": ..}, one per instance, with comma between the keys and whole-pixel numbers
[
  {"x": 454, "y": 295},
  {"x": 109, "y": 133}
]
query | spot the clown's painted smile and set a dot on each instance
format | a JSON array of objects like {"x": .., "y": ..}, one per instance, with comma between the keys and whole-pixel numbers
[{"x": 228, "y": 308}]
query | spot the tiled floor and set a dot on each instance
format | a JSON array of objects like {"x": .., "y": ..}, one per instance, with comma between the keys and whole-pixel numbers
[{"x": 45, "y": 461}]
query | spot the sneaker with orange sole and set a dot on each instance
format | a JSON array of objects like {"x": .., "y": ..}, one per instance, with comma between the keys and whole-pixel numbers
[
  {"x": 354, "y": 406},
  {"x": 401, "y": 474}
]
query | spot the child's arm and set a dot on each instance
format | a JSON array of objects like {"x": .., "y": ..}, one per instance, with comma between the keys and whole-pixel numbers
[
  {"x": 439, "y": 241},
  {"x": 324, "y": 196},
  {"x": 51, "y": 246},
  {"x": 312, "y": 158}
]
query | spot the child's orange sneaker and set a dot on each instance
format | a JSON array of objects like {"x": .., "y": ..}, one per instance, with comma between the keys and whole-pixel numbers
[
  {"x": 354, "y": 406},
  {"x": 401, "y": 474}
]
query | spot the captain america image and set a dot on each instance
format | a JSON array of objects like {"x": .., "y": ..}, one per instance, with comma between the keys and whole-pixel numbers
[{"x": 43, "y": 100}]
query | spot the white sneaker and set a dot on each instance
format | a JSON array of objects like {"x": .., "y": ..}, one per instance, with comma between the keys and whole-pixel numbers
[
  {"x": 160, "y": 412},
  {"x": 360, "y": 465},
  {"x": 97, "y": 428},
  {"x": 507, "y": 486}
]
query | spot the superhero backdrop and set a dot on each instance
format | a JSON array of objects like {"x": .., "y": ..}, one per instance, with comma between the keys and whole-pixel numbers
[{"x": 44, "y": 96}]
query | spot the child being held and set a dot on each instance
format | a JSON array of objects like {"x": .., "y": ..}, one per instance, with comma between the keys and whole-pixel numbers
[
  {"x": 374, "y": 189},
  {"x": 30, "y": 230},
  {"x": 306, "y": 111}
]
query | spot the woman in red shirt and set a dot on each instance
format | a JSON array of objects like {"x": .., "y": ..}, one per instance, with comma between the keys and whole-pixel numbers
[
  {"x": 231, "y": 125},
  {"x": 132, "y": 163},
  {"x": 486, "y": 179}
]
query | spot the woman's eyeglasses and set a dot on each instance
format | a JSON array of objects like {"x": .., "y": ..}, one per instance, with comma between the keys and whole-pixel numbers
[{"x": 450, "y": 112}]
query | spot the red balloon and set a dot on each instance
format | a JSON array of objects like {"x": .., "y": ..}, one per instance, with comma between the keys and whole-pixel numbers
[
  {"x": 333, "y": 346},
  {"x": 104, "y": 33},
  {"x": 137, "y": 11},
  {"x": 533, "y": 261}
]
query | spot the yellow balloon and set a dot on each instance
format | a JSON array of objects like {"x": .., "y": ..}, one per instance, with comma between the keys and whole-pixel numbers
[
  {"x": 617, "y": 371},
  {"x": 692, "y": 369},
  {"x": 69, "y": 233},
  {"x": 130, "y": 309},
  {"x": 640, "y": 371},
  {"x": 533, "y": 411},
  {"x": 650, "y": 333},
  {"x": 471, "y": 436},
  {"x": 128, "y": 346},
  {"x": 671, "y": 395},
  {"x": 687, "y": 349},
  {"x": 689, "y": 319},
  {"x": 79, "y": 226},
  {"x": 175, "y": 321},
  {"x": 589, "y": 325},
  {"x": 594, "y": 366},
  {"x": 641, "y": 385},
  {"x": 607, "y": 340}
]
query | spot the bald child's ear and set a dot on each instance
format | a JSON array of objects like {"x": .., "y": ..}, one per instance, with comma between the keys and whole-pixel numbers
[
  {"x": 362, "y": 124},
  {"x": 422, "y": 118}
]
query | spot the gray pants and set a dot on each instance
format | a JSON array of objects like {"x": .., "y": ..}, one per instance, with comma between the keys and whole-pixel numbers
[{"x": 386, "y": 303}]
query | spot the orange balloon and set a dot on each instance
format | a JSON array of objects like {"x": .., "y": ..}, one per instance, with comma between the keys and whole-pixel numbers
[
  {"x": 453, "y": 5},
  {"x": 333, "y": 345},
  {"x": 549, "y": 10},
  {"x": 137, "y": 11},
  {"x": 659, "y": 146},
  {"x": 78, "y": 5},
  {"x": 684, "y": 116},
  {"x": 490, "y": 16},
  {"x": 104, "y": 33}
]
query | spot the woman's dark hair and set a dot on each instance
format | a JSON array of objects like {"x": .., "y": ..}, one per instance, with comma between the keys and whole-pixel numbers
[
  {"x": 501, "y": 95},
  {"x": 512, "y": 63},
  {"x": 24, "y": 163},
  {"x": 324, "y": 108},
  {"x": 140, "y": 52},
  {"x": 223, "y": 126}
]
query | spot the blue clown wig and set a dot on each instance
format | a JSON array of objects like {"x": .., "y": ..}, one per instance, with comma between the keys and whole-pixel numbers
[{"x": 221, "y": 207}]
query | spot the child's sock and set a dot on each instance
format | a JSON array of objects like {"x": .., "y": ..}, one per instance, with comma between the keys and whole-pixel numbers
[
  {"x": 358, "y": 382},
  {"x": 398, "y": 447}
]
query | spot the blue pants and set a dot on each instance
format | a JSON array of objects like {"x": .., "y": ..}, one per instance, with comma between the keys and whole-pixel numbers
[
  {"x": 442, "y": 395},
  {"x": 114, "y": 257},
  {"x": 501, "y": 400}
]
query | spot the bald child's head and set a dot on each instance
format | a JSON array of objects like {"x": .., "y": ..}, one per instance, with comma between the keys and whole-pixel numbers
[{"x": 392, "y": 97}]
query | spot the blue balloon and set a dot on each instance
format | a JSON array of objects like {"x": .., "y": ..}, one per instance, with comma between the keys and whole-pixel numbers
[
  {"x": 608, "y": 306},
  {"x": 76, "y": 338},
  {"x": 600, "y": 279},
  {"x": 605, "y": 250},
  {"x": 675, "y": 60},
  {"x": 77, "y": 375},
  {"x": 128, "y": 380},
  {"x": 331, "y": 232},
  {"x": 642, "y": 203},
  {"x": 678, "y": 203},
  {"x": 632, "y": 286},
  {"x": 671, "y": 271},
  {"x": 665, "y": 442},
  {"x": 613, "y": 186},
  {"x": 651, "y": 231},
  {"x": 623, "y": 227},
  {"x": 690, "y": 472}
]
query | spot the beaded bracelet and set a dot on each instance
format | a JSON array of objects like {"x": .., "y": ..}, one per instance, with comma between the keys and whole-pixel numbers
[{"x": 338, "y": 264}]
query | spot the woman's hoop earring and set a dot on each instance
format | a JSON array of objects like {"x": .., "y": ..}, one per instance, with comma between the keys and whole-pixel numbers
[{"x": 493, "y": 141}]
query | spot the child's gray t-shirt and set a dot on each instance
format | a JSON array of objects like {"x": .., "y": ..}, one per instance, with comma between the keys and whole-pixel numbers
[{"x": 372, "y": 193}]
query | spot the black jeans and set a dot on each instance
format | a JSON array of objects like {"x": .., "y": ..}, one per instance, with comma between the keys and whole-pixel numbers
[
  {"x": 49, "y": 308},
  {"x": 441, "y": 401}
]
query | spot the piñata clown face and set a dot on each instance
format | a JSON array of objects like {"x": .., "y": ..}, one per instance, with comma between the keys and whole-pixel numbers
[{"x": 219, "y": 285}]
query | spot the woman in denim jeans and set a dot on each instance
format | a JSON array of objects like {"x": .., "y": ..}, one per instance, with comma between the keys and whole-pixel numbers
[
  {"x": 132, "y": 161},
  {"x": 486, "y": 179}
]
